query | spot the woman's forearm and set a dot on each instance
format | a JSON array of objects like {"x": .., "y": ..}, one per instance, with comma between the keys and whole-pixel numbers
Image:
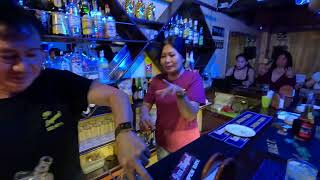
[{"x": 187, "y": 108}]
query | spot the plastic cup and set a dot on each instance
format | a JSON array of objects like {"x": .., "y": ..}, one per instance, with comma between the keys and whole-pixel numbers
[
  {"x": 265, "y": 101},
  {"x": 299, "y": 169}
]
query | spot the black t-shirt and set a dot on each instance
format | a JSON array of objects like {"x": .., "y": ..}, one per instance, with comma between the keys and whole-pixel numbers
[{"x": 42, "y": 121}]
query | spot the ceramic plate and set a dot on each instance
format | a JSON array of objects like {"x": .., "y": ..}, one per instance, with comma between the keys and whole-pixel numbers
[{"x": 239, "y": 130}]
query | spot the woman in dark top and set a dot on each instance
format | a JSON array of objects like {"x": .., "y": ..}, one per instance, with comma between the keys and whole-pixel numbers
[
  {"x": 280, "y": 73},
  {"x": 241, "y": 74}
]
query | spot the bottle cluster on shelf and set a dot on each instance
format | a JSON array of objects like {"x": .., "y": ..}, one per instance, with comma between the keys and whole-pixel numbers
[
  {"x": 75, "y": 18},
  {"x": 96, "y": 128},
  {"x": 139, "y": 9},
  {"x": 187, "y": 28},
  {"x": 86, "y": 64}
]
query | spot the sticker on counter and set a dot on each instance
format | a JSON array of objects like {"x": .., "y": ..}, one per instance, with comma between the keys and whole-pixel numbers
[
  {"x": 249, "y": 119},
  {"x": 185, "y": 168}
]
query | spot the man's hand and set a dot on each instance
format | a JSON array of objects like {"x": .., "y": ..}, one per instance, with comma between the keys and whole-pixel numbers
[
  {"x": 172, "y": 89},
  {"x": 132, "y": 154}
]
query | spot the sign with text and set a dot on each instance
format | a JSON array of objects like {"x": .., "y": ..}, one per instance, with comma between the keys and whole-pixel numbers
[{"x": 250, "y": 119}]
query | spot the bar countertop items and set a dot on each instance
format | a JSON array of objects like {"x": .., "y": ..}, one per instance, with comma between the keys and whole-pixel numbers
[{"x": 263, "y": 156}]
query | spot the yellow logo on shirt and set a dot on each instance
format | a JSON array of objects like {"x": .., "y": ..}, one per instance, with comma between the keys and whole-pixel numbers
[{"x": 51, "y": 123}]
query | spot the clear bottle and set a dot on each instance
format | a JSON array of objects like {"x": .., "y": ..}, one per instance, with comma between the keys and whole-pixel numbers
[
  {"x": 64, "y": 62},
  {"x": 190, "y": 37},
  {"x": 97, "y": 20},
  {"x": 74, "y": 18},
  {"x": 191, "y": 61},
  {"x": 86, "y": 21},
  {"x": 201, "y": 36},
  {"x": 186, "y": 29},
  {"x": 181, "y": 27},
  {"x": 110, "y": 30},
  {"x": 103, "y": 68},
  {"x": 176, "y": 26},
  {"x": 76, "y": 62},
  {"x": 171, "y": 27},
  {"x": 59, "y": 21},
  {"x": 195, "y": 33}
]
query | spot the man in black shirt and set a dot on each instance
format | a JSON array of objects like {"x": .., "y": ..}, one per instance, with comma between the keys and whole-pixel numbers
[{"x": 40, "y": 109}]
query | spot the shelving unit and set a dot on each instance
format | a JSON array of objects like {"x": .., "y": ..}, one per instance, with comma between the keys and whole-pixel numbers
[
  {"x": 134, "y": 44},
  {"x": 69, "y": 39}
]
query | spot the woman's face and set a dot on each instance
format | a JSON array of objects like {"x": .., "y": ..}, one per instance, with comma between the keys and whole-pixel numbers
[
  {"x": 171, "y": 60},
  {"x": 241, "y": 62},
  {"x": 282, "y": 61}
]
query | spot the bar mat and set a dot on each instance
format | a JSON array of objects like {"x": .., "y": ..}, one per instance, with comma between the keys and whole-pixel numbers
[{"x": 250, "y": 119}]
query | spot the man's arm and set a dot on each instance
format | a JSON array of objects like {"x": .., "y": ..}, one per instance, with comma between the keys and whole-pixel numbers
[{"x": 131, "y": 150}]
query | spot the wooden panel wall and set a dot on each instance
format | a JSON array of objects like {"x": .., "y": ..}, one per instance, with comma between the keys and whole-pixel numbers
[{"x": 304, "y": 47}]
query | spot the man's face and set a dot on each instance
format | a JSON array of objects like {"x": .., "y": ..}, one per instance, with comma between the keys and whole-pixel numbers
[{"x": 20, "y": 63}]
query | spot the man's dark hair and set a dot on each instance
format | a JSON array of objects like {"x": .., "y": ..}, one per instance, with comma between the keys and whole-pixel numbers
[{"x": 16, "y": 22}]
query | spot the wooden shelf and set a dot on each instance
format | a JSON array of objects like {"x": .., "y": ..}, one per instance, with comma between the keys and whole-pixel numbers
[{"x": 57, "y": 38}]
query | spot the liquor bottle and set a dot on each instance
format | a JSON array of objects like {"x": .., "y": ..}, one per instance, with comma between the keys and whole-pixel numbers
[
  {"x": 97, "y": 20},
  {"x": 201, "y": 36},
  {"x": 64, "y": 62},
  {"x": 58, "y": 19},
  {"x": 150, "y": 12},
  {"x": 186, "y": 63},
  {"x": 103, "y": 68},
  {"x": 304, "y": 126},
  {"x": 140, "y": 10},
  {"x": 166, "y": 31},
  {"x": 191, "y": 61},
  {"x": 176, "y": 26},
  {"x": 195, "y": 33},
  {"x": 186, "y": 30},
  {"x": 181, "y": 27},
  {"x": 76, "y": 62},
  {"x": 140, "y": 89},
  {"x": 107, "y": 10},
  {"x": 171, "y": 27},
  {"x": 92, "y": 63},
  {"x": 129, "y": 7},
  {"x": 86, "y": 19},
  {"x": 74, "y": 18},
  {"x": 190, "y": 37}
]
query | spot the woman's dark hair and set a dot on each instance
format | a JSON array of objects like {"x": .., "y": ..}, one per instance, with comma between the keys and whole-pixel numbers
[
  {"x": 15, "y": 22},
  {"x": 242, "y": 55},
  {"x": 288, "y": 57},
  {"x": 178, "y": 44},
  {"x": 245, "y": 57}
]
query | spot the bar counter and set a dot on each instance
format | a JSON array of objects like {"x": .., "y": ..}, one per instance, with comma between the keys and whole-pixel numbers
[{"x": 254, "y": 160}]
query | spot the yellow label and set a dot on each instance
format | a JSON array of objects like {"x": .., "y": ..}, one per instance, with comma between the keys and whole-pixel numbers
[{"x": 86, "y": 25}]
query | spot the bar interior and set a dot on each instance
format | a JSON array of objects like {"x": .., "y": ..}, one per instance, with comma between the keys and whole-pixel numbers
[{"x": 244, "y": 105}]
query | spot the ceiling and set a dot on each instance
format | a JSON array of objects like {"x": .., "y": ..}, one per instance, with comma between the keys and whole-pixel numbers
[{"x": 281, "y": 15}]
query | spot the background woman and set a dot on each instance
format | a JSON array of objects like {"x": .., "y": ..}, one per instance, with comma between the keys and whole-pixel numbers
[
  {"x": 280, "y": 73},
  {"x": 177, "y": 94},
  {"x": 241, "y": 74}
]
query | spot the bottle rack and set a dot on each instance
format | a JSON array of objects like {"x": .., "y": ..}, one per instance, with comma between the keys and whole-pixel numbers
[{"x": 136, "y": 43}]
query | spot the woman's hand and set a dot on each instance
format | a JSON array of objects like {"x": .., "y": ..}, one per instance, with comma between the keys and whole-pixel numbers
[
  {"x": 289, "y": 72},
  {"x": 145, "y": 122},
  {"x": 172, "y": 89}
]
